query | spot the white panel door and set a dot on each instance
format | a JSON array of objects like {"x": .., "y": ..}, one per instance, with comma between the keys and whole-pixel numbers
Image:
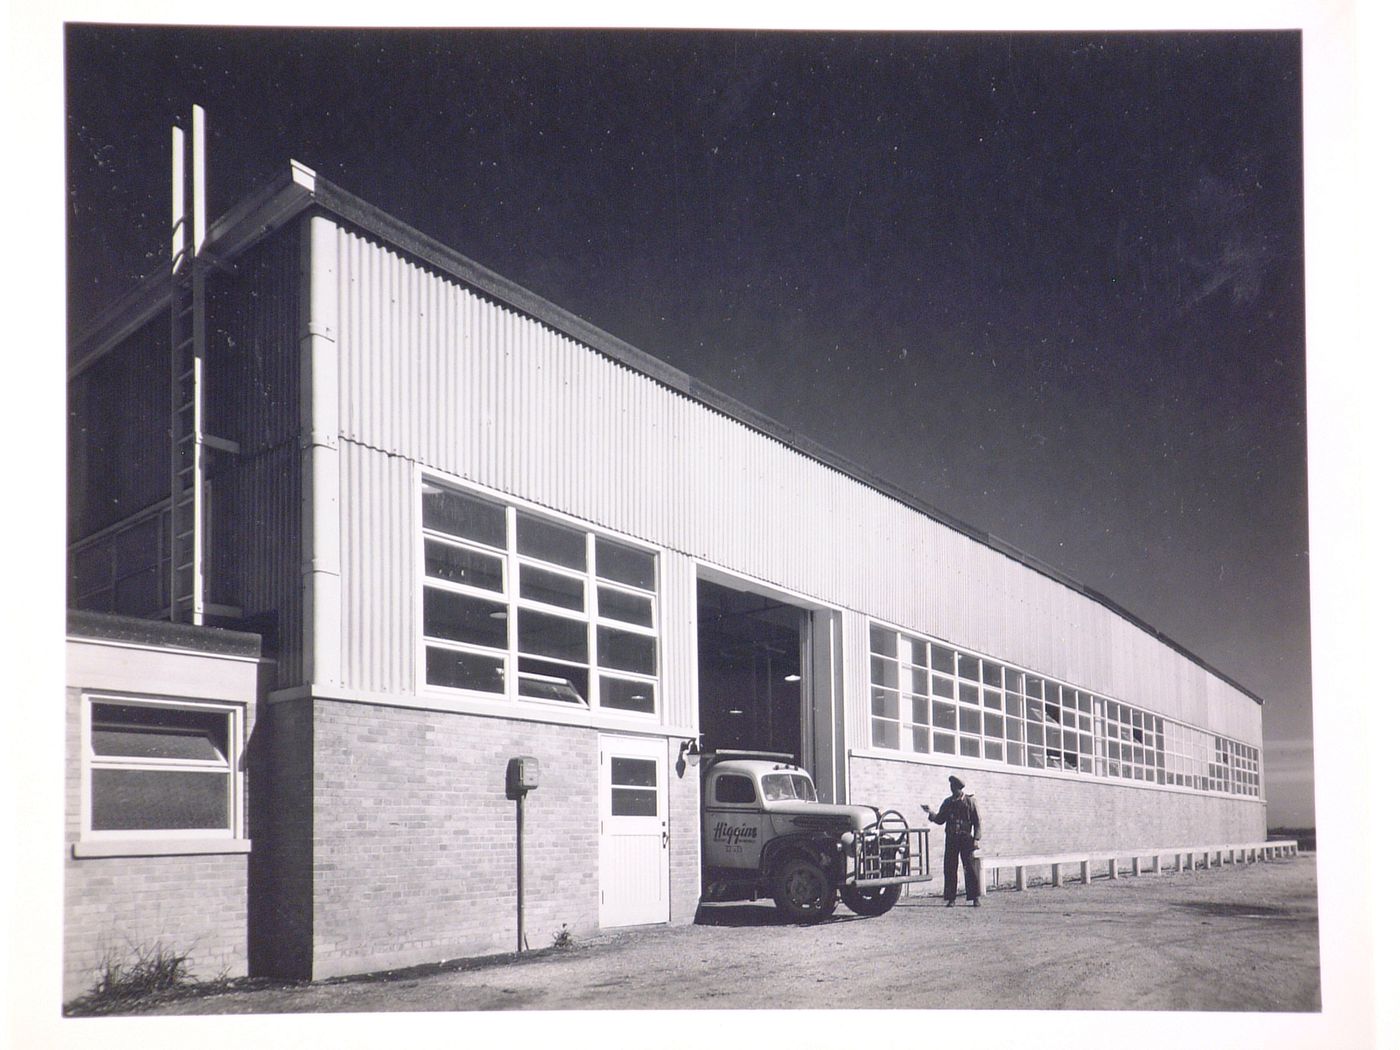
[{"x": 633, "y": 884}]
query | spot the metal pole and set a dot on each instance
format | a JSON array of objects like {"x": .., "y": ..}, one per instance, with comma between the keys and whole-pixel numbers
[{"x": 520, "y": 872}]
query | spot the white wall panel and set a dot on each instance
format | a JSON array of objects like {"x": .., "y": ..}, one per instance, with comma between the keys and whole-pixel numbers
[{"x": 436, "y": 374}]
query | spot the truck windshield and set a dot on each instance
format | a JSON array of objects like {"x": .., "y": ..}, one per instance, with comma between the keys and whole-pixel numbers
[{"x": 779, "y": 786}]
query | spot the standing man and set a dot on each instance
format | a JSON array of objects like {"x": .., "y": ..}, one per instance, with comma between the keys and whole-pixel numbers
[{"x": 962, "y": 827}]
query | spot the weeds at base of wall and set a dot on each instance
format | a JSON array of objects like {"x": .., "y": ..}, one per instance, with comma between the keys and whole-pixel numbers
[
  {"x": 126, "y": 982},
  {"x": 563, "y": 939}
]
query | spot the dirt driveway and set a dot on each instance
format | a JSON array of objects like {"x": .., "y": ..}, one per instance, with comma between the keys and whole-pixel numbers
[{"x": 1236, "y": 939}]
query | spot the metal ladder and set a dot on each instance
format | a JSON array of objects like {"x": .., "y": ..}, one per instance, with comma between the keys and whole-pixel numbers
[{"x": 190, "y": 443}]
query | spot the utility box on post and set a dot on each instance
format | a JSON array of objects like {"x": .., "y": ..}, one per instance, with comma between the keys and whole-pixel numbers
[{"x": 522, "y": 775}]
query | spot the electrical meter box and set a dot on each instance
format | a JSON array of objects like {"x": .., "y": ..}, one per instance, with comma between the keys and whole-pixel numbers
[{"x": 522, "y": 775}]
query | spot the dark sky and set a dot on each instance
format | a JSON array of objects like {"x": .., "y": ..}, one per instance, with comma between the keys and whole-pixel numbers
[{"x": 1051, "y": 283}]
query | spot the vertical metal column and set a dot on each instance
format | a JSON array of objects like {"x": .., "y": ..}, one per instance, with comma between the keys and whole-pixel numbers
[
  {"x": 189, "y": 441},
  {"x": 186, "y": 394}
]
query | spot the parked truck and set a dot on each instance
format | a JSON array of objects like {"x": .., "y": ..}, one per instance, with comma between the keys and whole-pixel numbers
[{"x": 767, "y": 836}]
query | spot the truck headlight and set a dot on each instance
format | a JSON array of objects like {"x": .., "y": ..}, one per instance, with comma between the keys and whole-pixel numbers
[{"x": 848, "y": 843}]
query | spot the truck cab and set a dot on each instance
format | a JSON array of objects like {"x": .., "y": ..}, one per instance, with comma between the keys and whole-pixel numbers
[{"x": 766, "y": 835}]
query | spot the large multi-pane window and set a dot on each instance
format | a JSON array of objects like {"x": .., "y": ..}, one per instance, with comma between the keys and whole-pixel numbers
[
  {"x": 930, "y": 698},
  {"x": 519, "y": 605}
]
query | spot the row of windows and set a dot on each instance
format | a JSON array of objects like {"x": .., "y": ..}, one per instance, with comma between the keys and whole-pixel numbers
[
  {"x": 929, "y": 698},
  {"x": 519, "y": 605}
]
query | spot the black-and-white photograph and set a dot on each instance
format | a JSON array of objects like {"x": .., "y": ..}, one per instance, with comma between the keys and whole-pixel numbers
[{"x": 622, "y": 520}]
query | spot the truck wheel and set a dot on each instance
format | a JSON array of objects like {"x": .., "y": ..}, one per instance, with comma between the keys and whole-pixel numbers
[
  {"x": 874, "y": 901},
  {"x": 802, "y": 891}
]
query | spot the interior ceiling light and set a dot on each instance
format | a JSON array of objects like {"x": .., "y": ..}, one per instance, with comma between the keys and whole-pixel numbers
[
  {"x": 736, "y": 710},
  {"x": 792, "y": 678}
]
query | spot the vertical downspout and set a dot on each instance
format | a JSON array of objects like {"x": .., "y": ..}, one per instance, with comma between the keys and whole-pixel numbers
[{"x": 320, "y": 455}]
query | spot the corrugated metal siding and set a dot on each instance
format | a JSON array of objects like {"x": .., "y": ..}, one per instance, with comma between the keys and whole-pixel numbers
[
  {"x": 252, "y": 366},
  {"x": 434, "y": 373},
  {"x": 676, "y": 620}
]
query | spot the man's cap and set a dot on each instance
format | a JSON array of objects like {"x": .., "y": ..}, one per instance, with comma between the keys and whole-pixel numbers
[{"x": 956, "y": 783}]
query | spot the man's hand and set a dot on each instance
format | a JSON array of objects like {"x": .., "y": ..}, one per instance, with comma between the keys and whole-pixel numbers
[{"x": 924, "y": 806}]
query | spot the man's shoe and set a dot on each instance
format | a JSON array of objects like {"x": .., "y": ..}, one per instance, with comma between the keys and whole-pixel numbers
[
  {"x": 976, "y": 903},
  {"x": 947, "y": 904}
]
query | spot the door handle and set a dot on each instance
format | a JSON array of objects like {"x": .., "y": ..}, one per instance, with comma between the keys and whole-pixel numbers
[{"x": 665, "y": 838}]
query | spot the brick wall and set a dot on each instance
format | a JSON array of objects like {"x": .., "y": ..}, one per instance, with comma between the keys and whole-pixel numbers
[
  {"x": 115, "y": 907},
  {"x": 1024, "y": 813},
  {"x": 413, "y": 838}
]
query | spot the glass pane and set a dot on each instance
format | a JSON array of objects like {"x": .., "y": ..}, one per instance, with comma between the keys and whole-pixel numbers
[
  {"x": 458, "y": 514},
  {"x": 884, "y": 672},
  {"x": 919, "y": 713},
  {"x": 135, "y": 731},
  {"x": 921, "y": 740},
  {"x": 942, "y": 743},
  {"x": 151, "y": 800},
  {"x": 443, "y": 561},
  {"x": 991, "y": 699},
  {"x": 969, "y": 746},
  {"x": 918, "y": 681},
  {"x": 1015, "y": 755},
  {"x": 1013, "y": 729},
  {"x": 992, "y": 750},
  {"x": 1035, "y": 757},
  {"x": 991, "y": 674},
  {"x": 1035, "y": 733},
  {"x": 633, "y": 772},
  {"x": 137, "y": 594},
  {"x": 884, "y": 703},
  {"x": 969, "y": 720},
  {"x": 734, "y": 790},
  {"x": 629, "y": 608},
  {"x": 540, "y": 585},
  {"x": 485, "y": 674},
  {"x": 633, "y": 802},
  {"x": 942, "y": 659},
  {"x": 550, "y": 541},
  {"x": 945, "y": 716},
  {"x": 625, "y": 651},
  {"x": 1015, "y": 681},
  {"x": 967, "y": 693},
  {"x": 544, "y": 680},
  {"x": 1035, "y": 710},
  {"x": 1034, "y": 687},
  {"x": 884, "y": 733},
  {"x": 463, "y": 618},
  {"x": 620, "y": 694},
  {"x": 544, "y": 635},
  {"x": 883, "y": 642},
  {"x": 943, "y": 687},
  {"x": 993, "y": 726},
  {"x": 968, "y": 667},
  {"x": 625, "y": 564},
  {"x": 1013, "y": 705},
  {"x": 918, "y": 654}
]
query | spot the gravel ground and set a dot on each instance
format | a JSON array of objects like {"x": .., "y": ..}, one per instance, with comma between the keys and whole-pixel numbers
[{"x": 1228, "y": 939}]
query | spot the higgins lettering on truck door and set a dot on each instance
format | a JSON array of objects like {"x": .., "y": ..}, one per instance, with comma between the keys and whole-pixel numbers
[{"x": 732, "y": 837}]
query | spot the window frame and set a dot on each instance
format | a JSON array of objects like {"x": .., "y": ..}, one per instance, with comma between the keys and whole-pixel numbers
[
  {"x": 236, "y": 722},
  {"x": 1094, "y": 736},
  {"x": 512, "y": 597}
]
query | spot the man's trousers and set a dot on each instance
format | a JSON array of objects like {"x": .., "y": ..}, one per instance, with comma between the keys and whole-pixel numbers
[{"x": 955, "y": 847}]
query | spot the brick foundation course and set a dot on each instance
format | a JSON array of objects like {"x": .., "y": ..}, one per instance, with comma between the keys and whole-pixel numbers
[
  {"x": 407, "y": 849},
  {"x": 1029, "y": 814}
]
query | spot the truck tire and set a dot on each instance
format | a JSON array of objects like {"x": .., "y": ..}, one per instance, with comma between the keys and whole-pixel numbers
[
  {"x": 802, "y": 891},
  {"x": 875, "y": 901}
]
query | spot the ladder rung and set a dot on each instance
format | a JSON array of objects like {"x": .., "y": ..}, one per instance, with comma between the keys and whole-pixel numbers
[
  {"x": 185, "y": 407},
  {"x": 184, "y": 565},
  {"x": 186, "y": 374}
]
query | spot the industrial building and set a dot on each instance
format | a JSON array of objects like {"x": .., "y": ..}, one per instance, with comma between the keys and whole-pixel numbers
[{"x": 355, "y": 520}]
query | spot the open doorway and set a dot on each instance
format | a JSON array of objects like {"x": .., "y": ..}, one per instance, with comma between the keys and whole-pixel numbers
[{"x": 753, "y": 675}]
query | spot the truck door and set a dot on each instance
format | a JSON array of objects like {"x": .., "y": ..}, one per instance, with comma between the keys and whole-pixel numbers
[{"x": 732, "y": 822}]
